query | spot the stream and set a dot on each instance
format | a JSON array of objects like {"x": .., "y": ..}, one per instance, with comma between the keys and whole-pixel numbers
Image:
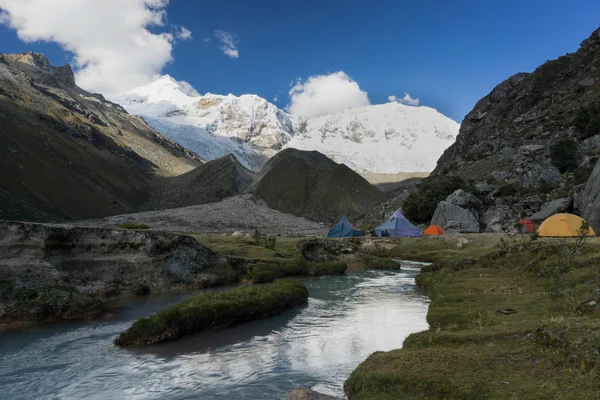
[{"x": 348, "y": 318}]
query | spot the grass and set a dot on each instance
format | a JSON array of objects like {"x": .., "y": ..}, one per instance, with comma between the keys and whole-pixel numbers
[
  {"x": 376, "y": 262},
  {"x": 499, "y": 328},
  {"x": 244, "y": 247},
  {"x": 212, "y": 310}
]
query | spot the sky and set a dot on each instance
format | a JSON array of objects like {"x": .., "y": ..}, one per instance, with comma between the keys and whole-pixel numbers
[{"x": 309, "y": 56}]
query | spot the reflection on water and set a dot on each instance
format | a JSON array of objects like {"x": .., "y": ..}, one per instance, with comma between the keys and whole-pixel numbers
[{"x": 348, "y": 318}]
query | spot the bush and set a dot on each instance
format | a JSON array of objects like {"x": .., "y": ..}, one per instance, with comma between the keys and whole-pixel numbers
[
  {"x": 260, "y": 276},
  {"x": 213, "y": 310},
  {"x": 563, "y": 155},
  {"x": 421, "y": 203},
  {"x": 587, "y": 121},
  {"x": 133, "y": 225}
]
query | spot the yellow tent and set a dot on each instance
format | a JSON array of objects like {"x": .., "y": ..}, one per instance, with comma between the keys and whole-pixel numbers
[{"x": 562, "y": 225}]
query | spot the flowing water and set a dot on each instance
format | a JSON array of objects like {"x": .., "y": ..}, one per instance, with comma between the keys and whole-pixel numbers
[{"x": 347, "y": 318}]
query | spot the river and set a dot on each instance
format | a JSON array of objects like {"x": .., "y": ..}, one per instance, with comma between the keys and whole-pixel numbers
[{"x": 318, "y": 346}]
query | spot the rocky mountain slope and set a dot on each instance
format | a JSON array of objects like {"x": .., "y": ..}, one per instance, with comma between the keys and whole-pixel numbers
[
  {"x": 388, "y": 138},
  {"x": 68, "y": 154},
  {"x": 308, "y": 184},
  {"x": 526, "y": 148}
]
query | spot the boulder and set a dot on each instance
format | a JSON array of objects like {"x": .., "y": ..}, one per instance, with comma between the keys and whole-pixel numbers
[
  {"x": 320, "y": 250},
  {"x": 591, "y": 199},
  {"x": 499, "y": 176},
  {"x": 576, "y": 196},
  {"x": 551, "y": 208},
  {"x": 465, "y": 200},
  {"x": 308, "y": 394},
  {"x": 508, "y": 152},
  {"x": 454, "y": 219},
  {"x": 483, "y": 188},
  {"x": 498, "y": 219},
  {"x": 237, "y": 234},
  {"x": 540, "y": 176}
]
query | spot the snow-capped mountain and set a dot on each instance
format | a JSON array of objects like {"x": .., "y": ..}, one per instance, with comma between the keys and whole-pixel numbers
[
  {"x": 387, "y": 138},
  {"x": 383, "y": 138},
  {"x": 212, "y": 125}
]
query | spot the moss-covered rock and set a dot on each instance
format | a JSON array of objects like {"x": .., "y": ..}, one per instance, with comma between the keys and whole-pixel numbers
[{"x": 215, "y": 310}]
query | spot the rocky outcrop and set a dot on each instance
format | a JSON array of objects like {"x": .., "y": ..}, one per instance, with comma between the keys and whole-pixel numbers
[
  {"x": 310, "y": 185},
  {"x": 308, "y": 394},
  {"x": 465, "y": 200},
  {"x": 54, "y": 272},
  {"x": 591, "y": 199},
  {"x": 576, "y": 196},
  {"x": 551, "y": 208},
  {"x": 320, "y": 250},
  {"x": 452, "y": 218},
  {"x": 498, "y": 219}
]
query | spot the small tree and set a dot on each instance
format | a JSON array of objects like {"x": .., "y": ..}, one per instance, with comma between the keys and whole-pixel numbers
[{"x": 563, "y": 155}]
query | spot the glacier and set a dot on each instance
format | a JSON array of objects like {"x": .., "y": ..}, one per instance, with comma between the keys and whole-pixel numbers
[{"x": 385, "y": 139}]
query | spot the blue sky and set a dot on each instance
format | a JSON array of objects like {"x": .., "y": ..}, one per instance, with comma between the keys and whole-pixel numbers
[{"x": 448, "y": 53}]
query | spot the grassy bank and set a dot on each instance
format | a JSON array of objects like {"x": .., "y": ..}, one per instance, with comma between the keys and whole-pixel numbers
[
  {"x": 215, "y": 310},
  {"x": 510, "y": 318}
]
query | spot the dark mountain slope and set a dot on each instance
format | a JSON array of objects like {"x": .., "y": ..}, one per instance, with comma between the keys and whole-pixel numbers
[
  {"x": 308, "y": 184},
  {"x": 69, "y": 154},
  {"x": 208, "y": 183}
]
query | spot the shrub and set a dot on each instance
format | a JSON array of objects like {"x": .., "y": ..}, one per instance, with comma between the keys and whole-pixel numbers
[
  {"x": 133, "y": 225},
  {"x": 212, "y": 310},
  {"x": 563, "y": 155},
  {"x": 587, "y": 121},
  {"x": 421, "y": 203}
]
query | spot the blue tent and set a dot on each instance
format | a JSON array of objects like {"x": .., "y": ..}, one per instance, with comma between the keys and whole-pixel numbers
[
  {"x": 398, "y": 226},
  {"x": 344, "y": 229}
]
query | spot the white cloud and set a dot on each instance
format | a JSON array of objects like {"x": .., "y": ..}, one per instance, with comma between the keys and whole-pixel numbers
[
  {"x": 113, "y": 50},
  {"x": 407, "y": 99},
  {"x": 325, "y": 94},
  {"x": 228, "y": 43},
  {"x": 183, "y": 33},
  {"x": 206, "y": 40},
  {"x": 276, "y": 99}
]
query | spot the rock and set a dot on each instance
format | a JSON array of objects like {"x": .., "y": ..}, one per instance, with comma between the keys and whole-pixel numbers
[
  {"x": 308, "y": 394},
  {"x": 498, "y": 219},
  {"x": 590, "y": 145},
  {"x": 237, "y": 234},
  {"x": 454, "y": 219},
  {"x": 591, "y": 199},
  {"x": 508, "y": 152},
  {"x": 483, "y": 188},
  {"x": 576, "y": 196},
  {"x": 540, "y": 176},
  {"x": 465, "y": 200},
  {"x": 319, "y": 250},
  {"x": 530, "y": 149},
  {"x": 462, "y": 242},
  {"x": 499, "y": 176},
  {"x": 65, "y": 270},
  {"x": 587, "y": 82},
  {"x": 551, "y": 208}
]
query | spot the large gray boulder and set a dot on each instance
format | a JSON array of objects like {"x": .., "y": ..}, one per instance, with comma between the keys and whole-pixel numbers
[
  {"x": 454, "y": 219},
  {"x": 540, "y": 176},
  {"x": 591, "y": 199},
  {"x": 465, "y": 200},
  {"x": 551, "y": 208},
  {"x": 498, "y": 219},
  {"x": 319, "y": 250}
]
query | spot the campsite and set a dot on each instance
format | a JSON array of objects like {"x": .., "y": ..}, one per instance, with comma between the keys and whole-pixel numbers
[{"x": 299, "y": 200}]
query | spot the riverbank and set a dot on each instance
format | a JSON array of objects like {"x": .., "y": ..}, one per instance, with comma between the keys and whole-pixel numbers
[{"x": 509, "y": 318}]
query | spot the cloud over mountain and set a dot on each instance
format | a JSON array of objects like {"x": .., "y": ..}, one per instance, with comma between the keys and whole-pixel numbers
[
  {"x": 325, "y": 94},
  {"x": 113, "y": 49}
]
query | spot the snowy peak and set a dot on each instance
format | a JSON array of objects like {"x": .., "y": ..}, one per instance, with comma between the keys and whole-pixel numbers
[{"x": 385, "y": 138}]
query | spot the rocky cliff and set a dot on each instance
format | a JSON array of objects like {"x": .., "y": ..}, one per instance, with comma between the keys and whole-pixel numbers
[
  {"x": 59, "y": 272},
  {"x": 66, "y": 153},
  {"x": 531, "y": 142}
]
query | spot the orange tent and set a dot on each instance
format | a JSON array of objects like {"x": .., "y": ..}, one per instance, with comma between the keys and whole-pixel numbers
[
  {"x": 434, "y": 230},
  {"x": 566, "y": 225}
]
